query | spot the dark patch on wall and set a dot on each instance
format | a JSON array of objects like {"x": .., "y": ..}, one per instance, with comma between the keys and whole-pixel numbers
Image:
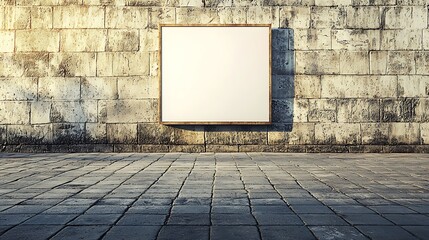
[
  {"x": 402, "y": 110},
  {"x": 68, "y": 133}
]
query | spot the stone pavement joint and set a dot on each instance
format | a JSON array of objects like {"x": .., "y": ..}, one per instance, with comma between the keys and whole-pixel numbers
[{"x": 214, "y": 196}]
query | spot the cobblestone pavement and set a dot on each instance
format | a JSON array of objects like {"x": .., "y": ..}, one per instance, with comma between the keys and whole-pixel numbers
[{"x": 214, "y": 196}]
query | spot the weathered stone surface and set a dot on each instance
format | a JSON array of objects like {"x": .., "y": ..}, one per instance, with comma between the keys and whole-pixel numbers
[
  {"x": 68, "y": 133},
  {"x": 221, "y": 148},
  {"x": 153, "y": 64},
  {"x": 317, "y": 62},
  {"x": 300, "y": 110},
  {"x": 256, "y": 135},
  {"x": 127, "y": 111},
  {"x": 221, "y": 135},
  {"x": 104, "y": 64},
  {"x": 280, "y": 39},
  {"x": 307, "y": 86},
  {"x": 312, "y": 39},
  {"x": 328, "y": 17},
  {"x": 14, "y": 112},
  {"x": 7, "y": 38},
  {"x": 277, "y": 133},
  {"x": 188, "y": 135},
  {"x": 29, "y": 134},
  {"x": 354, "y": 62},
  {"x": 152, "y": 133},
  {"x": 99, "y": 88},
  {"x": 130, "y": 64},
  {"x": 375, "y": 133},
  {"x": 75, "y": 111},
  {"x": 337, "y": 133},
  {"x": 40, "y": 112},
  {"x": 402, "y": 110},
  {"x": 282, "y": 86},
  {"x": 187, "y": 148},
  {"x": 126, "y": 17},
  {"x": 401, "y": 17},
  {"x": 232, "y": 15},
  {"x": 164, "y": 15},
  {"x": 123, "y": 40},
  {"x": 398, "y": 62},
  {"x": 404, "y": 133},
  {"x": 95, "y": 133},
  {"x": 282, "y": 110},
  {"x": 149, "y": 40},
  {"x": 422, "y": 63},
  {"x": 374, "y": 2},
  {"x": 17, "y": 17},
  {"x": 3, "y": 135},
  {"x": 413, "y": 86},
  {"x": 421, "y": 108},
  {"x": 322, "y": 110},
  {"x": 77, "y": 16},
  {"x": 137, "y": 87},
  {"x": 295, "y": 17},
  {"x": 283, "y": 62},
  {"x": 356, "y": 39},
  {"x": 266, "y": 15},
  {"x": 367, "y": 17},
  {"x": 359, "y": 86},
  {"x": 122, "y": 133},
  {"x": 83, "y": 40},
  {"x": 302, "y": 133},
  {"x": 18, "y": 88},
  {"x": 24, "y": 65},
  {"x": 197, "y": 16},
  {"x": 358, "y": 110},
  {"x": 378, "y": 62},
  {"x": 59, "y": 88},
  {"x": 41, "y": 17},
  {"x": 426, "y": 39},
  {"x": 37, "y": 40},
  {"x": 72, "y": 64},
  {"x": 424, "y": 132}
]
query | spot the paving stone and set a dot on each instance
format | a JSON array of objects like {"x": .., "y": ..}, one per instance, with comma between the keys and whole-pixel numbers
[
  {"x": 162, "y": 209},
  {"x": 142, "y": 219},
  {"x": 286, "y": 233},
  {"x": 190, "y": 209},
  {"x": 116, "y": 201},
  {"x": 66, "y": 209},
  {"x": 336, "y": 232},
  {"x": 31, "y": 232},
  {"x": 230, "y": 201},
  {"x": 103, "y": 209},
  {"x": 230, "y": 209},
  {"x": 386, "y": 232},
  {"x": 351, "y": 209},
  {"x": 50, "y": 219},
  {"x": 270, "y": 201},
  {"x": 408, "y": 219},
  {"x": 419, "y": 231},
  {"x": 391, "y": 209},
  {"x": 277, "y": 219},
  {"x": 25, "y": 209},
  {"x": 81, "y": 232},
  {"x": 189, "y": 219},
  {"x": 132, "y": 232},
  {"x": 95, "y": 219},
  {"x": 232, "y": 219},
  {"x": 183, "y": 232},
  {"x": 311, "y": 209},
  {"x": 13, "y": 219},
  {"x": 322, "y": 219},
  {"x": 271, "y": 209},
  {"x": 366, "y": 219},
  {"x": 154, "y": 201},
  {"x": 234, "y": 232}
]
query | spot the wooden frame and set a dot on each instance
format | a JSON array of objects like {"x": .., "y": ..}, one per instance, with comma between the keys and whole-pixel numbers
[{"x": 266, "y": 121}]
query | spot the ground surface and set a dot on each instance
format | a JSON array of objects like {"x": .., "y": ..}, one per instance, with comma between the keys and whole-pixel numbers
[{"x": 214, "y": 196}]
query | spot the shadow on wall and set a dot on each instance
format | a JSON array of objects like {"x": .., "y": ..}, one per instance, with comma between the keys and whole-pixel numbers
[{"x": 283, "y": 92}]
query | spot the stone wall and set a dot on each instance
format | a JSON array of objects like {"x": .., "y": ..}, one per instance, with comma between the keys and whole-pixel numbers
[{"x": 81, "y": 75}]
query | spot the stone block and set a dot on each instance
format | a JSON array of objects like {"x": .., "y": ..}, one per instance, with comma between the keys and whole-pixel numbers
[
  {"x": 358, "y": 110},
  {"x": 26, "y": 64},
  {"x": 359, "y": 86},
  {"x": 122, "y": 133},
  {"x": 153, "y": 64},
  {"x": 149, "y": 40},
  {"x": 378, "y": 62},
  {"x": 232, "y": 15},
  {"x": 74, "y": 111},
  {"x": 128, "y": 111},
  {"x": 154, "y": 148},
  {"x": 322, "y": 110},
  {"x": 18, "y": 89},
  {"x": 59, "y": 88},
  {"x": 188, "y": 135},
  {"x": 282, "y": 86},
  {"x": 312, "y": 39},
  {"x": 337, "y": 133},
  {"x": 221, "y": 148},
  {"x": 295, "y": 17},
  {"x": 401, "y": 110},
  {"x": 127, "y": 17},
  {"x": 124, "y": 40},
  {"x": 40, "y": 112},
  {"x": 218, "y": 3},
  {"x": 421, "y": 108},
  {"x": 307, "y": 86},
  {"x": 17, "y": 17},
  {"x": 41, "y": 17},
  {"x": 187, "y": 148},
  {"x": 426, "y": 39},
  {"x": 161, "y": 15},
  {"x": 7, "y": 39},
  {"x": 424, "y": 133},
  {"x": 404, "y": 133},
  {"x": 99, "y": 88},
  {"x": 328, "y": 3},
  {"x": 407, "y": 39},
  {"x": 375, "y": 133},
  {"x": 130, "y": 64},
  {"x": 280, "y": 39},
  {"x": 37, "y": 40},
  {"x": 354, "y": 62},
  {"x": 72, "y": 64},
  {"x": 405, "y": 17},
  {"x": 3, "y": 135},
  {"x": 144, "y": 3},
  {"x": 29, "y": 134},
  {"x": 363, "y": 17},
  {"x": 35, "y": 2},
  {"x": 300, "y": 110},
  {"x": 14, "y": 112},
  {"x": 104, "y": 64},
  {"x": 263, "y": 15},
  {"x": 278, "y": 133},
  {"x": 374, "y": 2},
  {"x": 413, "y": 86},
  {"x": 282, "y": 110},
  {"x": 422, "y": 62},
  {"x": 154, "y": 134},
  {"x": 95, "y": 133},
  {"x": 302, "y": 133},
  {"x": 356, "y": 39},
  {"x": 283, "y": 62},
  {"x": 328, "y": 17},
  {"x": 197, "y": 16},
  {"x": 401, "y": 62},
  {"x": 137, "y": 87},
  {"x": 83, "y": 40},
  {"x": 221, "y": 135},
  {"x": 254, "y": 135},
  {"x": 68, "y": 133},
  {"x": 78, "y": 16},
  {"x": 317, "y": 62}
]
